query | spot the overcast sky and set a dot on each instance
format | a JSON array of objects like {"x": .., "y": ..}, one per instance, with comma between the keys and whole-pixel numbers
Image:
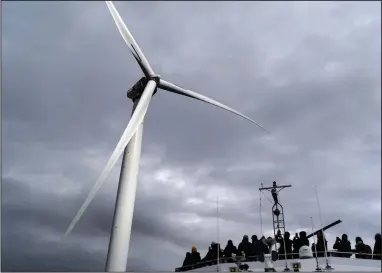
[{"x": 308, "y": 72}]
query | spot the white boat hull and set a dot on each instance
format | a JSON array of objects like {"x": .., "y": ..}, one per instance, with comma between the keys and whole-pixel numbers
[{"x": 338, "y": 264}]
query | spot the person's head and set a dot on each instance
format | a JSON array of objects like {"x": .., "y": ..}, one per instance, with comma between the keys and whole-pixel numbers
[
  {"x": 287, "y": 235},
  {"x": 245, "y": 238},
  {"x": 377, "y": 237},
  {"x": 358, "y": 241},
  {"x": 319, "y": 234},
  {"x": 344, "y": 237},
  {"x": 194, "y": 249},
  {"x": 230, "y": 243},
  {"x": 254, "y": 238},
  {"x": 302, "y": 234}
]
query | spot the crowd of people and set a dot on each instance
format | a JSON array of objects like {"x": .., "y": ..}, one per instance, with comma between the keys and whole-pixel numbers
[{"x": 289, "y": 249}]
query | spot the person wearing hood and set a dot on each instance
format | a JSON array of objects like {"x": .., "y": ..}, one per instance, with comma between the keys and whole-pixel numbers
[
  {"x": 245, "y": 246},
  {"x": 299, "y": 242},
  {"x": 229, "y": 250},
  {"x": 209, "y": 256},
  {"x": 255, "y": 248},
  {"x": 362, "y": 250},
  {"x": 263, "y": 246},
  {"x": 377, "y": 247},
  {"x": 343, "y": 246},
  {"x": 212, "y": 253},
  {"x": 321, "y": 245},
  {"x": 195, "y": 255},
  {"x": 187, "y": 261},
  {"x": 288, "y": 245}
]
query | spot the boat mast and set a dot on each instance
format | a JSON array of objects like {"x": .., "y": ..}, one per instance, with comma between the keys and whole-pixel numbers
[
  {"x": 277, "y": 214},
  {"x": 277, "y": 208}
]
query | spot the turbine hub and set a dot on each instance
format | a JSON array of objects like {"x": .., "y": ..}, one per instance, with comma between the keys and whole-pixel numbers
[{"x": 136, "y": 91}]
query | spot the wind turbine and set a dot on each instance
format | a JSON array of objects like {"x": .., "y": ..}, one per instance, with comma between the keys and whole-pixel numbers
[{"x": 130, "y": 145}]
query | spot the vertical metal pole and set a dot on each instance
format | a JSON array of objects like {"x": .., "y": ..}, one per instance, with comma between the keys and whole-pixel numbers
[
  {"x": 322, "y": 230},
  {"x": 218, "y": 236},
  {"x": 315, "y": 246},
  {"x": 261, "y": 218}
]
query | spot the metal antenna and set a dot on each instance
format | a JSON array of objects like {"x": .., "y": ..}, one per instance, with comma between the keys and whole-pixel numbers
[
  {"x": 218, "y": 231},
  {"x": 261, "y": 218},
  {"x": 328, "y": 267},
  {"x": 318, "y": 269}
]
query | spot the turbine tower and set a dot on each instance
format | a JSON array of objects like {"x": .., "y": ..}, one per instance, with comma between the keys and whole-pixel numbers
[{"x": 130, "y": 145}]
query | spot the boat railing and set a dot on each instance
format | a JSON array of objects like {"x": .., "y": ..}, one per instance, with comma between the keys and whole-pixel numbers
[{"x": 320, "y": 254}]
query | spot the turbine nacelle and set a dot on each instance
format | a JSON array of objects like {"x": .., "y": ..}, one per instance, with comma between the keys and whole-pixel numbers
[{"x": 136, "y": 91}]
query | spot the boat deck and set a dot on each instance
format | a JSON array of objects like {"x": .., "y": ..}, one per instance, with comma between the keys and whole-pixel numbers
[{"x": 337, "y": 264}]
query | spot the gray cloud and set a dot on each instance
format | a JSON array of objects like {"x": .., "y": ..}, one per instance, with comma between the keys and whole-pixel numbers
[{"x": 308, "y": 72}]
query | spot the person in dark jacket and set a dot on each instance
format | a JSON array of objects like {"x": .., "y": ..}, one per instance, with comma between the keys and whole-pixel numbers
[
  {"x": 229, "y": 250},
  {"x": 377, "y": 247},
  {"x": 320, "y": 247},
  {"x": 288, "y": 245},
  {"x": 264, "y": 249},
  {"x": 209, "y": 256},
  {"x": 362, "y": 250},
  {"x": 187, "y": 261},
  {"x": 213, "y": 253},
  {"x": 195, "y": 255},
  {"x": 255, "y": 248},
  {"x": 299, "y": 242},
  {"x": 343, "y": 246},
  {"x": 245, "y": 246}
]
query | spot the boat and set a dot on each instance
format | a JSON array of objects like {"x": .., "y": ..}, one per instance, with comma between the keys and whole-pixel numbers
[
  {"x": 306, "y": 260},
  {"x": 294, "y": 265}
]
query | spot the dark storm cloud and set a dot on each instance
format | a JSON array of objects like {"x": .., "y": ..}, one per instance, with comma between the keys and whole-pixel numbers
[{"x": 308, "y": 72}]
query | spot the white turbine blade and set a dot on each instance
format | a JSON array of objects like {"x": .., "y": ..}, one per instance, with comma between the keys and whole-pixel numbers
[
  {"x": 179, "y": 90},
  {"x": 129, "y": 39},
  {"x": 135, "y": 121}
]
